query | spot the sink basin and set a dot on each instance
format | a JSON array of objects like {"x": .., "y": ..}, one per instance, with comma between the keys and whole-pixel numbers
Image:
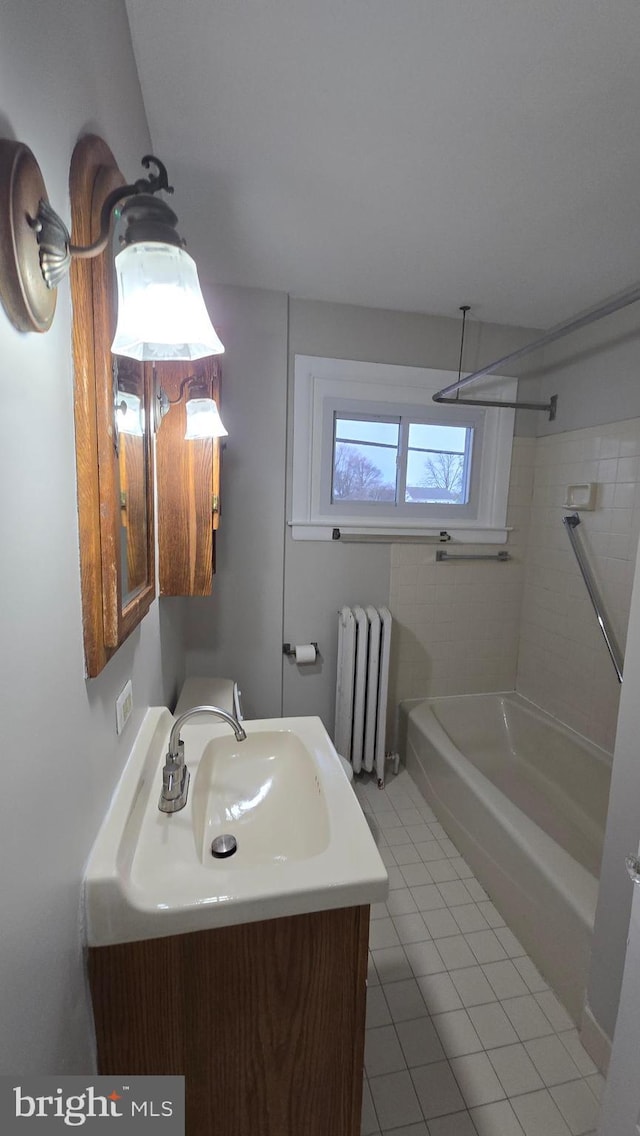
[
  {"x": 303, "y": 843},
  {"x": 266, "y": 792}
]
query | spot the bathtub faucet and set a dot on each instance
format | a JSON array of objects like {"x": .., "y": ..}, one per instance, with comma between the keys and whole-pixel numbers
[{"x": 175, "y": 775}]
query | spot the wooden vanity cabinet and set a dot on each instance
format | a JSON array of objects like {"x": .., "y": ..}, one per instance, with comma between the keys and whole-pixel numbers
[
  {"x": 265, "y": 1021},
  {"x": 188, "y": 474}
]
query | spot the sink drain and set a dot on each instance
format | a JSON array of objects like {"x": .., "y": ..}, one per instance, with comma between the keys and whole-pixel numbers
[{"x": 223, "y": 846}]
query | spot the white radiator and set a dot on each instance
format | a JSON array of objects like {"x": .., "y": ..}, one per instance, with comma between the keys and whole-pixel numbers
[{"x": 362, "y": 684}]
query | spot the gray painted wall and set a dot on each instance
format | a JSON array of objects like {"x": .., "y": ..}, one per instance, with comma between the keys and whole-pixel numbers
[
  {"x": 237, "y": 632},
  {"x": 65, "y": 67},
  {"x": 319, "y": 578}
]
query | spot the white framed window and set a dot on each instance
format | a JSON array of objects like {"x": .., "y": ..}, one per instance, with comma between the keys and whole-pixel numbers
[{"x": 373, "y": 454}]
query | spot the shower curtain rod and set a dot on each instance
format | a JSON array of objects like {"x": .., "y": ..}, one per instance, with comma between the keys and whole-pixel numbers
[{"x": 622, "y": 301}]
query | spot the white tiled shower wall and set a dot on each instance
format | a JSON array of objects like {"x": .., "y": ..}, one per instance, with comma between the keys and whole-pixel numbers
[
  {"x": 528, "y": 624},
  {"x": 563, "y": 663},
  {"x": 457, "y": 625}
]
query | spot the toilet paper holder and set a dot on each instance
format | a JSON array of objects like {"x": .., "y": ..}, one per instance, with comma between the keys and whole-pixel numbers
[{"x": 289, "y": 650}]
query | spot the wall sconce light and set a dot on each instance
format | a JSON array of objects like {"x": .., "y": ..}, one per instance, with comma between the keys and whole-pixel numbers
[
  {"x": 203, "y": 416},
  {"x": 161, "y": 312}
]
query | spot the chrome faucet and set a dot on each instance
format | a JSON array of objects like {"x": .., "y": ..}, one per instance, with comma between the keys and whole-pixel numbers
[{"x": 175, "y": 775}]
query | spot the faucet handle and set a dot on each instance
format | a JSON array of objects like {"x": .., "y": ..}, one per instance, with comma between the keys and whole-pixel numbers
[
  {"x": 171, "y": 777},
  {"x": 175, "y": 782}
]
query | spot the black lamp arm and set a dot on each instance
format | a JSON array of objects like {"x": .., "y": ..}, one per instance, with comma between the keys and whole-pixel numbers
[
  {"x": 56, "y": 248},
  {"x": 196, "y": 380},
  {"x": 85, "y": 252},
  {"x": 151, "y": 184},
  {"x": 163, "y": 402}
]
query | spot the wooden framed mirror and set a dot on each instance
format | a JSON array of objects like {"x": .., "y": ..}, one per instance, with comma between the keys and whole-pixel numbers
[
  {"x": 113, "y": 399},
  {"x": 188, "y": 474}
]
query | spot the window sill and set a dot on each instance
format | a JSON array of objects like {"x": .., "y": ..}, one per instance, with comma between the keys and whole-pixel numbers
[{"x": 390, "y": 534}]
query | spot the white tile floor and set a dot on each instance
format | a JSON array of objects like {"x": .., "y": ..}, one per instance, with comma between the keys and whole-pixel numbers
[{"x": 464, "y": 1038}]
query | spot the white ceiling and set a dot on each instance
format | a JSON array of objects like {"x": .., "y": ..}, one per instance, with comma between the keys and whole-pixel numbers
[{"x": 411, "y": 154}]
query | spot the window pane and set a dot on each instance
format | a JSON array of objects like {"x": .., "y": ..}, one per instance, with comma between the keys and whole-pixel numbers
[
  {"x": 367, "y": 430},
  {"x": 438, "y": 464},
  {"x": 365, "y": 460},
  {"x": 425, "y": 436}
]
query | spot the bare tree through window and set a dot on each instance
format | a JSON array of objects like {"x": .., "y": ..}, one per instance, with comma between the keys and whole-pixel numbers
[
  {"x": 444, "y": 471},
  {"x": 356, "y": 478}
]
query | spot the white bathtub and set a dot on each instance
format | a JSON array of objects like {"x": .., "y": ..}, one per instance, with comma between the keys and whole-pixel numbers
[{"x": 525, "y": 800}]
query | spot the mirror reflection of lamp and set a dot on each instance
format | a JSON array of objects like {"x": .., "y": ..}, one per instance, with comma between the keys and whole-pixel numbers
[
  {"x": 161, "y": 312},
  {"x": 203, "y": 416},
  {"x": 129, "y": 414}
]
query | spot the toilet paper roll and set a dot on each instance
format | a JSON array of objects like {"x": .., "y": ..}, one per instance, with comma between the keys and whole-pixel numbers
[{"x": 305, "y": 653}]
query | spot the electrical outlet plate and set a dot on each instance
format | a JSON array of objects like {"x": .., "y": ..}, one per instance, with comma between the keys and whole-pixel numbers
[{"x": 124, "y": 706}]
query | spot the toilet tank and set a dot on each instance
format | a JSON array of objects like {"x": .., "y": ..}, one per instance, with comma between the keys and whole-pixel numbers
[{"x": 208, "y": 691}]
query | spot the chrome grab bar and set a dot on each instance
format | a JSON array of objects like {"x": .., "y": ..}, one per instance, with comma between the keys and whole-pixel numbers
[
  {"x": 444, "y": 557},
  {"x": 571, "y": 523}
]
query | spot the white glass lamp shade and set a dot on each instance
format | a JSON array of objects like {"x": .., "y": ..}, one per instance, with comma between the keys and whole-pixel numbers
[
  {"x": 161, "y": 312},
  {"x": 203, "y": 420},
  {"x": 129, "y": 414}
]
